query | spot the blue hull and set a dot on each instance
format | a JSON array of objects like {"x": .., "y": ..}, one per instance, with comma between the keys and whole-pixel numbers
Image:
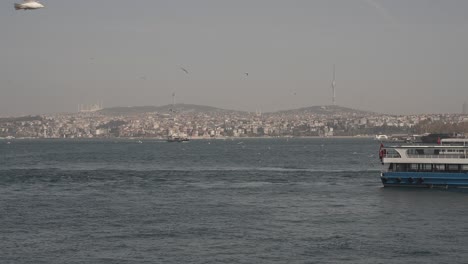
[{"x": 425, "y": 179}]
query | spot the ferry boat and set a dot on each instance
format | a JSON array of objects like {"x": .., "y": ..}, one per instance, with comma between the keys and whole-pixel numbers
[{"x": 441, "y": 165}]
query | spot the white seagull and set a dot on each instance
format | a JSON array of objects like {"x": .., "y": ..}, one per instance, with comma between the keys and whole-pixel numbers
[{"x": 29, "y": 4}]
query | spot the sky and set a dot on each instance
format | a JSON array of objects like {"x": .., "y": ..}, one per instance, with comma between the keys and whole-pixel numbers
[{"x": 391, "y": 56}]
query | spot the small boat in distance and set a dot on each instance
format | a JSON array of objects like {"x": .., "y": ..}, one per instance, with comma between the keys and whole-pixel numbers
[
  {"x": 397, "y": 138},
  {"x": 440, "y": 165},
  {"x": 381, "y": 137},
  {"x": 176, "y": 138}
]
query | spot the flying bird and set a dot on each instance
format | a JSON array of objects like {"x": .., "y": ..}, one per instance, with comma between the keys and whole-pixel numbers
[
  {"x": 185, "y": 70},
  {"x": 29, "y": 4},
  {"x": 382, "y": 11}
]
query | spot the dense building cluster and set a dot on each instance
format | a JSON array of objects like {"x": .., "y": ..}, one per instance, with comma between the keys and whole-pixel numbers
[{"x": 325, "y": 121}]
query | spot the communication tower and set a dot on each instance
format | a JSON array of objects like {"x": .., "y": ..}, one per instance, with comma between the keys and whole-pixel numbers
[{"x": 333, "y": 84}]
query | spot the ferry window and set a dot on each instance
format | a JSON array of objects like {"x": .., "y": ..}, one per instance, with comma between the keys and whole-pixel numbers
[
  {"x": 452, "y": 167},
  {"x": 415, "y": 151},
  {"x": 414, "y": 167},
  {"x": 426, "y": 167},
  {"x": 439, "y": 167},
  {"x": 392, "y": 153},
  {"x": 404, "y": 167},
  {"x": 400, "y": 167},
  {"x": 465, "y": 167}
]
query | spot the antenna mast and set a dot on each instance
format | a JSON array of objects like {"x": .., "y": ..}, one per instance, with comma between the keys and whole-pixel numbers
[{"x": 333, "y": 86}]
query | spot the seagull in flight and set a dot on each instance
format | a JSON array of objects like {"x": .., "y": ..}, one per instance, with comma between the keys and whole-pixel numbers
[
  {"x": 29, "y": 5},
  {"x": 185, "y": 70}
]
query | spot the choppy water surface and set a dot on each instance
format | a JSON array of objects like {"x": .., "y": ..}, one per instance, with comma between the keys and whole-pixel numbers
[{"x": 240, "y": 201}]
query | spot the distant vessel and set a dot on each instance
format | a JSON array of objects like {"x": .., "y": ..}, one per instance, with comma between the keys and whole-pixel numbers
[
  {"x": 397, "y": 138},
  {"x": 381, "y": 137},
  {"x": 433, "y": 138},
  {"x": 441, "y": 165},
  {"x": 176, "y": 138}
]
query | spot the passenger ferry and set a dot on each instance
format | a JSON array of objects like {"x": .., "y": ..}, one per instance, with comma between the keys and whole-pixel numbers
[{"x": 441, "y": 165}]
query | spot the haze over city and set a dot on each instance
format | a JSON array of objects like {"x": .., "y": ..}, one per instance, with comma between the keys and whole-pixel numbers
[{"x": 398, "y": 57}]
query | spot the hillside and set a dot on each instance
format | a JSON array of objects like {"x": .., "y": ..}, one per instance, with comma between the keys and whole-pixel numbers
[
  {"x": 179, "y": 108},
  {"x": 329, "y": 110}
]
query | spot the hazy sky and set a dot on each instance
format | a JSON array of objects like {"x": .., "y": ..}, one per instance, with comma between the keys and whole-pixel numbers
[{"x": 394, "y": 56}]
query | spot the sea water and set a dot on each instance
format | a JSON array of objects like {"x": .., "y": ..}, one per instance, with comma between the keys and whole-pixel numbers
[{"x": 292, "y": 200}]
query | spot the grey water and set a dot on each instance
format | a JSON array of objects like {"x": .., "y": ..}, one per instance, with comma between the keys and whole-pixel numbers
[{"x": 218, "y": 201}]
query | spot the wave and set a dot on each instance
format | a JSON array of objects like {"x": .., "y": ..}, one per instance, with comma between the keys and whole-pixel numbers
[{"x": 165, "y": 175}]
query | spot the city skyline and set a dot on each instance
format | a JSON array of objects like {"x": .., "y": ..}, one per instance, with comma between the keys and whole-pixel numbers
[
  {"x": 207, "y": 122},
  {"x": 394, "y": 57}
]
